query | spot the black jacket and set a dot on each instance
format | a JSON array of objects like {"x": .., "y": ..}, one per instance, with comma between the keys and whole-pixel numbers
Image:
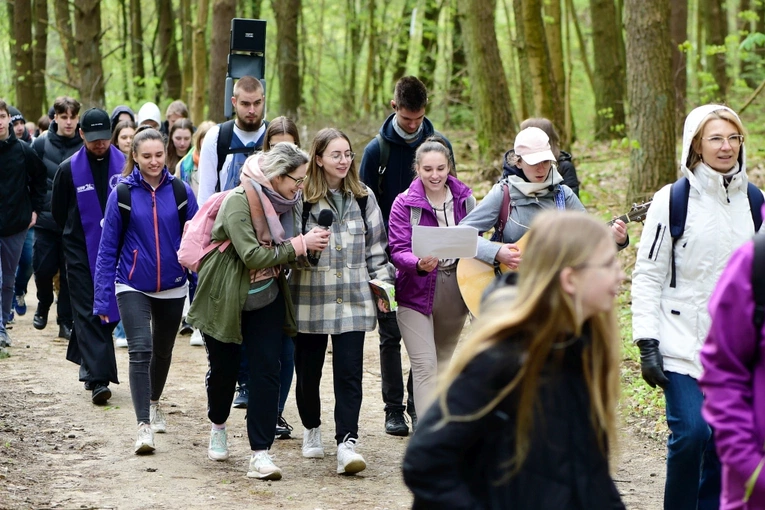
[
  {"x": 462, "y": 465},
  {"x": 53, "y": 150},
  {"x": 23, "y": 185}
]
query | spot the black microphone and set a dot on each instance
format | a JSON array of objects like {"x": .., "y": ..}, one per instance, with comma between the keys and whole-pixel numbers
[{"x": 326, "y": 217}]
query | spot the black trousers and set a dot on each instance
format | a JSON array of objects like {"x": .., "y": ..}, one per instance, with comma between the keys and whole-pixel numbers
[
  {"x": 390, "y": 365},
  {"x": 47, "y": 260},
  {"x": 347, "y": 371},
  {"x": 262, "y": 333}
]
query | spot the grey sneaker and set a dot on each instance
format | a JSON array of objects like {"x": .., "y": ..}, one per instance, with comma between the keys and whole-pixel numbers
[
  {"x": 5, "y": 340},
  {"x": 262, "y": 467},
  {"x": 157, "y": 419},
  {"x": 312, "y": 447},
  {"x": 145, "y": 441},
  {"x": 348, "y": 461},
  {"x": 218, "y": 449}
]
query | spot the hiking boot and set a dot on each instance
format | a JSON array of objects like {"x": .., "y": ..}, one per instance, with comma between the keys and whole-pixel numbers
[
  {"x": 5, "y": 340},
  {"x": 283, "y": 428},
  {"x": 262, "y": 467},
  {"x": 65, "y": 331},
  {"x": 20, "y": 304},
  {"x": 185, "y": 328},
  {"x": 218, "y": 448},
  {"x": 157, "y": 419},
  {"x": 145, "y": 441},
  {"x": 312, "y": 447},
  {"x": 40, "y": 320},
  {"x": 348, "y": 461},
  {"x": 100, "y": 394},
  {"x": 196, "y": 339},
  {"x": 395, "y": 423},
  {"x": 242, "y": 397}
]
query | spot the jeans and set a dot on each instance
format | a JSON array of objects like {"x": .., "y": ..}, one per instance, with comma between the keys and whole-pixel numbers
[
  {"x": 150, "y": 327},
  {"x": 24, "y": 271},
  {"x": 347, "y": 372},
  {"x": 10, "y": 252},
  {"x": 693, "y": 469},
  {"x": 390, "y": 365}
]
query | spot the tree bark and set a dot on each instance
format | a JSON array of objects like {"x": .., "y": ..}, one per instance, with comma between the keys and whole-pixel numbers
[
  {"x": 679, "y": 35},
  {"x": 716, "y": 26},
  {"x": 256, "y": 7},
  {"x": 366, "y": 102},
  {"x": 526, "y": 102},
  {"x": 582, "y": 44},
  {"x": 458, "y": 83},
  {"x": 187, "y": 35},
  {"x": 199, "y": 60},
  {"x": 22, "y": 55},
  {"x": 66, "y": 39},
  {"x": 287, "y": 43},
  {"x": 39, "y": 57},
  {"x": 651, "y": 97},
  {"x": 136, "y": 50},
  {"x": 87, "y": 23},
  {"x": 168, "y": 49},
  {"x": 223, "y": 12},
  {"x": 402, "y": 50},
  {"x": 429, "y": 53},
  {"x": 354, "y": 42},
  {"x": 609, "y": 75},
  {"x": 552, "y": 12},
  {"x": 494, "y": 119}
]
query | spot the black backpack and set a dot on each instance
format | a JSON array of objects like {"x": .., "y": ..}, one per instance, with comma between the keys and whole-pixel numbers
[{"x": 225, "y": 135}]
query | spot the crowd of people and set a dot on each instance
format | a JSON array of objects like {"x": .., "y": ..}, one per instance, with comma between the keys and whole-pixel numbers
[{"x": 524, "y": 416}]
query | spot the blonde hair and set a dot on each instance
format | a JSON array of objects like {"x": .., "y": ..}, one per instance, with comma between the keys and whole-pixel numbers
[
  {"x": 694, "y": 158},
  {"x": 542, "y": 316},
  {"x": 315, "y": 186}
]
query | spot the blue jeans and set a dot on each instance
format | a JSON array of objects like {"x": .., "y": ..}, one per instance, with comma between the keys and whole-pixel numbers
[
  {"x": 24, "y": 271},
  {"x": 10, "y": 252},
  {"x": 693, "y": 469}
]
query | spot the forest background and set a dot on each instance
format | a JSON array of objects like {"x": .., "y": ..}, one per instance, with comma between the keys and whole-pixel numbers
[{"x": 617, "y": 77}]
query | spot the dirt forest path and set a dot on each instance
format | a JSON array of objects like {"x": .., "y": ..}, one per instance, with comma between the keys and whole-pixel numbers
[{"x": 57, "y": 450}]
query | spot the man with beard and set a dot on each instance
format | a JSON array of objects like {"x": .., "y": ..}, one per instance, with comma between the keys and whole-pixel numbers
[{"x": 80, "y": 189}]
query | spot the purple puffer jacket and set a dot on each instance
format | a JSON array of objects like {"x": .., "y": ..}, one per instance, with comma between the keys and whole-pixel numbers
[
  {"x": 416, "y": 290},
  {"x": 734, "y": 404}
]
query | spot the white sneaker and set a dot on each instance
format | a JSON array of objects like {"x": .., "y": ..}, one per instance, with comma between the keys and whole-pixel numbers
[
  {"x": 157, "y": 419},
  {"x": 121, "y": 342},
  {"x": 218, "y": 448},
  {"x": 348, "y": 461},
  {"x": 145, "y": 441},
  {"x": 196, "y": 338},
  {"x": 263, "y": 467},
  {"x": 312, "y": 447}
]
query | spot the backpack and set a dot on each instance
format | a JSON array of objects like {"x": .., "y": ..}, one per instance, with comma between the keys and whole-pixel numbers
[
  {"x": 225, "y": 136},
  {"x": 197, "y": 242},
  {"x": 758, "y": 289},
  {"x": 124, "y": 203},
  {"x": 678, "y": 212},
  {"x": 385, "y": 155},
  {"x": 362, "y": 201}
]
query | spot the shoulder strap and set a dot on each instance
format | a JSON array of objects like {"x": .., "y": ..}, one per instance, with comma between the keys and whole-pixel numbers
[
  {"x": 470, "y": 203},
  {"x": 678, "y": 212},
  {"x": 758, "y": 288},
  {"x": 225, "y": 135},
  {"x": 181, "y": 201},
  {"x": 124, "y": 204},
  {"x": 755, "y": 205},
  {"x": 504, "y": 214},
  {"x": 362, "y": 201},
  {"x": 306, "y": 211},
  {"x": 384, "y": 146}
]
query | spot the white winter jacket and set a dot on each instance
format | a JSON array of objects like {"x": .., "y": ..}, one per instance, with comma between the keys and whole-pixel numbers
[{"x": 719, "y": 221}]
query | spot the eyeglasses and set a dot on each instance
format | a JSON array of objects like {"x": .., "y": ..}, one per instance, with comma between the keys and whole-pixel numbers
[
  {"x": 612, "y": 264},
  {"x": 338, "y": 156},
  {"x": 298, "y": 182},
  {"x": 716, "y": 142}
]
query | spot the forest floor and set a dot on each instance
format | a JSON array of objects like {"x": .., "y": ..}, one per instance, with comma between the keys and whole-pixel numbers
[{"x": 57, "y": 450}]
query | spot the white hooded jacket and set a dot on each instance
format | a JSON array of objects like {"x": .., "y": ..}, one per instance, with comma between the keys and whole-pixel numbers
[{"x": 719, "y": 221}]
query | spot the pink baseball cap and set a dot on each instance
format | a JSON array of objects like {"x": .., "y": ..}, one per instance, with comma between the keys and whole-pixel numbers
[{"x": 533, "y": 145}]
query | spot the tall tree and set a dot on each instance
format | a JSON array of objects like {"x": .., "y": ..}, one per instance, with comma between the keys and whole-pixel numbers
[
  {"x": 526, "y": 103},
  {"x": 39, "y": 56},
  {"x": 168, "y": 50},
  {"x": 187, "y": 36},
  {"x": 609, "y": 74},
  {"x": 87, "y": 24},
  {"x": 491, "y": 99},
  {"x": 552, "y": 13},
  {"x": 354, "y": 40},
  {"x": 66, "y": 39},
  {"x": 429, "y": 53},
  {"x": 458, "y": 83},
  {"x": 287, "y": 46},
  {"x": 679, "y": 34},
  {"x": 366, "y": 95},
  {"x": 716, "y": 26},
  {"x": 651, "y": 97},
  {"x": 404, "y": 36},
  {"x": 199, "y": 61},
  {"x": 223, "y": 12},
  {"x": 22, "y": 54},
  {"x": 136, "y": 49}
]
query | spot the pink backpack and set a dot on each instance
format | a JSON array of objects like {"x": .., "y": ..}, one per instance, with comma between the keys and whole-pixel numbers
[{"x": 196, "y": 242}]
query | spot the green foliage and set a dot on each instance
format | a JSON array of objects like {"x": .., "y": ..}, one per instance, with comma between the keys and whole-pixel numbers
[{"x": 752, "y": 41}]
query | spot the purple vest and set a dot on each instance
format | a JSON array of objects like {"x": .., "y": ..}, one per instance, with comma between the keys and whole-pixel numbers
[{"x": 91, "y": 214}]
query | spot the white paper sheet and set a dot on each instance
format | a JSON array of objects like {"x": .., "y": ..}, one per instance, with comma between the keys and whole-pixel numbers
[{"x": 445, "y": 242}]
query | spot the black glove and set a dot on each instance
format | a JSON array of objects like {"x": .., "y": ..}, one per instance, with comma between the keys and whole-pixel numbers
[{"x": 651, "y": 363}]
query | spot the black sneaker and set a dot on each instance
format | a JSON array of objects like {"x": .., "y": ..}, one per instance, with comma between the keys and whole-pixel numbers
[
  {"x": 64, "y": 331},
  {"x": 101, "y": 394},
  {"x": 395, "y": 423},
  {"x": 186, "y": 328},
  {"x": 40, "y": 319},
  {"x": 242, "y": 397},
  {"x": 283, "y": 428},
  {"x": 413, "y": 418}
]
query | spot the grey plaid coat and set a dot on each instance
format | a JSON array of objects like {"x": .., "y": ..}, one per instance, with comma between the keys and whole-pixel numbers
[{"x": 334, "y": 296}]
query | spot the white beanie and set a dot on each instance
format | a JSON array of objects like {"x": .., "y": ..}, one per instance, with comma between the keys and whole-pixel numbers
[{"x": 149, "y": 111}]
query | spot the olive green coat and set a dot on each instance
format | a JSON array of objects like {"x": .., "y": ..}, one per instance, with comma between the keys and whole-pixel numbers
[{"x": 224, "y": 278}]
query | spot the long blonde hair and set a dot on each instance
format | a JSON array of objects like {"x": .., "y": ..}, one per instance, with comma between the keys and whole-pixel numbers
[
  {"x": 315, "y": 186},
  {"x": 541, "y": 315}
]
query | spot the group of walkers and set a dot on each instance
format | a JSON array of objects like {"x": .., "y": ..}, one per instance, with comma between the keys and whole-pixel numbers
[{"x": 524, "y": 417}]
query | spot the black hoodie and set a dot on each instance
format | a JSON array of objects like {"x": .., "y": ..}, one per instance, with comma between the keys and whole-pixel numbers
[{"x": 23, "y": 189}]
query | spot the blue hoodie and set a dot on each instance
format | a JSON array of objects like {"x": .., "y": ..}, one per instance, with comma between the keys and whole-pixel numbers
[{"x": 148, "y": 261}]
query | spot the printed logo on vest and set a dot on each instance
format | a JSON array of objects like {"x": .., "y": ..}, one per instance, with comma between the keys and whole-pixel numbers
[{"x": 85, "y": 187}]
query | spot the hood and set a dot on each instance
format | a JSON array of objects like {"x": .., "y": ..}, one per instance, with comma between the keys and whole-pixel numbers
[
  {"x": 119, "y": 110},
  {"x": 149, "y": 111},
  {"x": 564, "y": 156},
  {"x": 692, "y": 123},
  {"x": 61, "y": 141},
  {"x": 509, "y": 168},
  {"x": 389, "y": 133}
]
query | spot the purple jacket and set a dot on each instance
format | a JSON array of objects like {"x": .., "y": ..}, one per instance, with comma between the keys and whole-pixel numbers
[
  {"x": 414, "y": 289},
  {"x": 148, "y": 261},
  {"x": 734, "y": 404}
]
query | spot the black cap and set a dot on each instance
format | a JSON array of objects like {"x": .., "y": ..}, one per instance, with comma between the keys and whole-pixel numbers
[
  {"x": 15, "y": 114},
  {"x": 96, "y": 125}
]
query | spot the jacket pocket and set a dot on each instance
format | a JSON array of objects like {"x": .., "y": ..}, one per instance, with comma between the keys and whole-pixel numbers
[
  {"x": 680, "y": 329},
  {"x": 357, "y": 245},
  {"x": 135, "y": 262}
]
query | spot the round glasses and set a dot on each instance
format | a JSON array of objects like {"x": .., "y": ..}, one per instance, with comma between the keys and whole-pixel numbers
[
  {"x": 337, "y": 157},
  {"x": 716, "y": 142},
  {"x": 298, "y": 182}
]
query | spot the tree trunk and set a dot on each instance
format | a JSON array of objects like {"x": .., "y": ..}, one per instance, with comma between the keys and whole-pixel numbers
[
  {"x": 316, "y": 75},
  {"x": 187, "y": 34},
  {"x": 458, "y": 83},
  {"x": 679, "y": 34},
  {"x": 526, "y": 102},
  {"x": 552, "y": 12},
  {"x": 124, "y": 45},
  {"x": 494, "y": 119},
  {"x": 256, "y": 7},
  {"x": 651, "y": 97},
  {"x": 287, "y": 43},
  {"x": 354, "y": 42},
  {"x": 223, "y": 12},
  {"x": 371, "y": 55},
  {"x": 716, "y": 26},
  {"x": 87, "y": 23},
  {"x": 168, "y": 49},
  {"x": 199, "y": 59},
  {"x": 66, "y": 39},
  {"x": 404, "y": 36},
  {"x": 39, "y": 58},
  {"x": 22, "y": 55},
  {"x": 582, "y": 44},
  {"x": 609, "y": 75},
  {"x": 136, "y": 49},
  {"x": 429, "y": 53}
]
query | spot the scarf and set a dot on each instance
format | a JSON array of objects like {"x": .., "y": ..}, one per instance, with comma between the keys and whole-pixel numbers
[
  {"x": 408, "y": 137},
  {"x": 536, "y": 189},
  {"x": 91, "y": 213}
]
